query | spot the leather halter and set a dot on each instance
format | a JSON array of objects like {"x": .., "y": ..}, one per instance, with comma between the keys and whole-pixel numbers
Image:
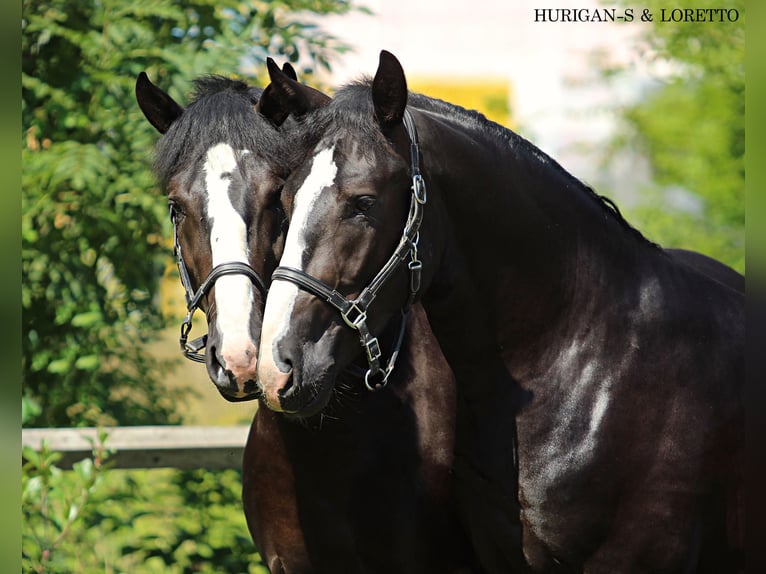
[
  {"x": 191, "y": 350},
  {"x": 354, "y": 312}
]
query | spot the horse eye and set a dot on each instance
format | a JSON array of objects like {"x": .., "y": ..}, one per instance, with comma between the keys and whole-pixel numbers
[
  {"x": 276, "y": 195},
  {"x": 274, "y": 202},
  {"x": 176, "y": 212},
  {"x": 364, "y": 203},
  {"x": 279, "y": 210}
]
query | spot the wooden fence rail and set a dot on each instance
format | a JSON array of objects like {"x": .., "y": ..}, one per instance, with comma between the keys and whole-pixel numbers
[{"x": 182, "y": 447}]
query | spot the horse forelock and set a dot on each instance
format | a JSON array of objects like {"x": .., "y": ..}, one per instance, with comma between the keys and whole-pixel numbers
[
  {"x": 349, "y": 113},
  {"x": 222, "y": 111},
  {"x": 213, "y": 84}
]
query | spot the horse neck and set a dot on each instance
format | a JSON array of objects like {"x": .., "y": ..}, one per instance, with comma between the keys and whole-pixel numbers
[{"x": 535, "y": 243}]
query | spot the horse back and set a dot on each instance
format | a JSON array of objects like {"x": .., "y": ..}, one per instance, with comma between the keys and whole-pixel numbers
[{"x": 710, "y": 267}]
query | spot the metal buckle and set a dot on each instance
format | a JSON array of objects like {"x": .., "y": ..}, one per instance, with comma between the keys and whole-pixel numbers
[
  {"x": 191, "y": 350},
  {"x": 186, "y": 326},
  {"x": 196, "y": 345},
  {"x": 372, "y": 346},
  {"x": 415, "y": 268},
  {"x": 361, "y": 316},
  {"x": 419, "y": 189}
]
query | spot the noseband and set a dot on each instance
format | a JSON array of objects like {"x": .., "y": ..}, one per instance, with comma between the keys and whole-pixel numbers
[
  {"x": 191, "y": 349},
  {"x": 354, "y": 312}
]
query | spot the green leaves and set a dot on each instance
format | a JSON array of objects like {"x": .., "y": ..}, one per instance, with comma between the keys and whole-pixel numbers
[
  {"x": 691, "y": 128},
  {"x": 95, "y": 519},
  {"x": 52, "y": 504}
]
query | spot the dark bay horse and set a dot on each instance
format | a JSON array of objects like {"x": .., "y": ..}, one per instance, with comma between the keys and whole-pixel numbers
[
  {"x": 364, "y": 486},
  {"x": 621, "y": 362},
  {"x": 222, "y": 166}
]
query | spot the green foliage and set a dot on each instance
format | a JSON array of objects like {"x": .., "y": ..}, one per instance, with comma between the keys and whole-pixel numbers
[
  {"x": 93, "y": 519},
  {"x": 206, "y": 532},
  {"x": 691, "y": 127},
  {"x": 53, "y": 505},
  {"x": 94, "y": 228}
]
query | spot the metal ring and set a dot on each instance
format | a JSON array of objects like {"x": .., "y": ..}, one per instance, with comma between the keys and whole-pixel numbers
[{"x": 378, "y": 386}]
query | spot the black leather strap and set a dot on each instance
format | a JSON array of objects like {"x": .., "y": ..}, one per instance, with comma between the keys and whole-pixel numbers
[{"x": 354, "y": 312}]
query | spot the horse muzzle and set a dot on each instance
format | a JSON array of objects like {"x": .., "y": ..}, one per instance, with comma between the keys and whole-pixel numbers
[{"x": 234, "y": 373}]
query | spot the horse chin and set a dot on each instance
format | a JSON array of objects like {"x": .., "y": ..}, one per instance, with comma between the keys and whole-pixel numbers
[
  {"x": 239, "y": 398},
  {"x": 315, "y": 373},
  {"x": 315, "y": 395}
]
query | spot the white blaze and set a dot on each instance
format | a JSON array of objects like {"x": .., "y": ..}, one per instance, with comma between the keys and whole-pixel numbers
[
  {"x": 282, "y": 294},
  {"x": 228, "y": 242}
]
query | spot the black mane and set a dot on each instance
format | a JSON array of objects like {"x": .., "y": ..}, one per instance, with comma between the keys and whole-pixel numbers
[
  {"x": 518, "y": 144},
  {"x": 222, "y": 110},
  {"x": 352, "y": 108}
]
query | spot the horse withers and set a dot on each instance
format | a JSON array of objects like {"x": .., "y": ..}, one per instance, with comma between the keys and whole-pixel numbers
[{"x": 621, "y": 362}]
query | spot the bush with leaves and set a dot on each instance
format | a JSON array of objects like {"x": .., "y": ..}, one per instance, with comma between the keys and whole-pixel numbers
[
  {"x": 52, "y": 505},
  {"x": 94, "y": 228},
  {"x": 96, "y": 519}
]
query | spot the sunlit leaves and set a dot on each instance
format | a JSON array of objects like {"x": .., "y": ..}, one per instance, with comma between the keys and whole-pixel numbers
[
  {"x": 95, "y": 519},
  {"x": 691, "y": 128}
]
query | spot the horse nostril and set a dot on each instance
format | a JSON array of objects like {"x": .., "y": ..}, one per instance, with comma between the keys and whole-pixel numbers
[
  {"x": 286, "y": 388},
  {"x": 282, "y": 360},
  {"x": 284, "y": 364},
  {"x": 216, "y": 369}
]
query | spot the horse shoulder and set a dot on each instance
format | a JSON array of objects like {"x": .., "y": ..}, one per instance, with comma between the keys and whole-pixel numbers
[{"x": 654, "y": 369}]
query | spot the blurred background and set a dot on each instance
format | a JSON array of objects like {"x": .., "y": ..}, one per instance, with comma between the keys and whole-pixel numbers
[{"x": 650, "y": 114}]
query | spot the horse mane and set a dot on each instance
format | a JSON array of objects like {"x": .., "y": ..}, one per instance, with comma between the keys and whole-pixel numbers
[
  {"x": 221, "y": 110},
  {"x": 352, "y": 108},
  {"x": 475, "y": 120}
]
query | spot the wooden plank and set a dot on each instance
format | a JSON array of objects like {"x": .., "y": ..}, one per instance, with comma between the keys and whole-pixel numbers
[{"x": 182, "y": 447}]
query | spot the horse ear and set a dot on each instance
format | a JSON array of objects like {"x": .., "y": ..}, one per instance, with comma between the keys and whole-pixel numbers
[
  {"x": 285, "y": 96},
  {"x": 289, "y": 71},
  {"x": 158, "y": 107},
  {"x": 389, "y": 91}
]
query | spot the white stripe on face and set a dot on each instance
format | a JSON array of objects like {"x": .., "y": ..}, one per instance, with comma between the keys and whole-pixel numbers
[
  {"x": 228, "y": 242},
  {"x": 282, "y": 294}
]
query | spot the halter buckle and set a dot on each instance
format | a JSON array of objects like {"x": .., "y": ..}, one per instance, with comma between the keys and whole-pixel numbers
[
  {"x": 191, "y": 350},
  {"x": 415, "y": 267},
  {"x": 358, "y": 319},
  {"x": 419, "y": 189},
  {"x": 186, "y": 326},
  {"x": 372, "y": 346}
]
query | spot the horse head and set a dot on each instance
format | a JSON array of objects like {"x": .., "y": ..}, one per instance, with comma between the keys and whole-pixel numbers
[
  {"x": 222, "y": 162},
  {"x": 350, "y": 262}
]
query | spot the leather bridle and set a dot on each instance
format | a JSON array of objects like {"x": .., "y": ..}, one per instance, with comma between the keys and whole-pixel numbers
[
  {"x": 354, "y": 312},
  {"x": 191, "y": 349}
]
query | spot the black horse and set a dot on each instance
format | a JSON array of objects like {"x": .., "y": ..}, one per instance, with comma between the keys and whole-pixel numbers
[
  {"x": 622, "y": 361},
  {"x": 366, "y": 485}
]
